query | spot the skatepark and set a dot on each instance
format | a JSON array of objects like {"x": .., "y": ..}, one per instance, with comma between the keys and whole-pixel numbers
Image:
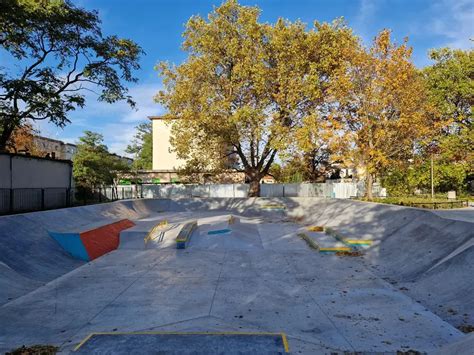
[{"x": 237, "y": 275}]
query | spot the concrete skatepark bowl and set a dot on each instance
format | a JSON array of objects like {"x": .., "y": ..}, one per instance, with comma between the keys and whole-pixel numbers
[{"x": 246, "y": 282}]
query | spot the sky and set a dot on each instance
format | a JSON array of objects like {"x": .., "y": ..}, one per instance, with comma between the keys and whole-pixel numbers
[{"x": 157, "y": 26}]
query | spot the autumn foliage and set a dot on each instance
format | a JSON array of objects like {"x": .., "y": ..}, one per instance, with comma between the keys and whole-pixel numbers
[{"x": 315, "y": 93}]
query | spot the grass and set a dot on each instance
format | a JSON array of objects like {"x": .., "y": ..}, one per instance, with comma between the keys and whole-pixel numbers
[
  {"x": 440, "y": 201},
  {"x": 35, "y": 350}
]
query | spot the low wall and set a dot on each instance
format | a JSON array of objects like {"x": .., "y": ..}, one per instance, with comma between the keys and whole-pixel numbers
[{"x": 325, "y": 190}]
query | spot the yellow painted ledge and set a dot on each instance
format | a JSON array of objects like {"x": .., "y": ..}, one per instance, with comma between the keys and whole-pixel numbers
[
  {"x": 283, "y": 336},
  {"x": 315, "y": 228},
  {"x": 358, "y": 241}
]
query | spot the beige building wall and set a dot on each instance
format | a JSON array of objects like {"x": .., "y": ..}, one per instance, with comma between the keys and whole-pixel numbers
[{"x": 163, "y": 157}]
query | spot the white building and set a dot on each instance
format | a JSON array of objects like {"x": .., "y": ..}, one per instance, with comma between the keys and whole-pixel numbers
[{"x": 164, "y": 159}]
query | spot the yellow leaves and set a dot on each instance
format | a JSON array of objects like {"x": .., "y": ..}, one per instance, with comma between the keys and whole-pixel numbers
[
  {"x": 382, "y": 100},
  {"x": 261, "y": 86}
]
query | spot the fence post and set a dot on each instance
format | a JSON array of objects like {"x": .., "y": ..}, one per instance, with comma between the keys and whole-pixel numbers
[
  {"x": 42, "y": 199},
  {"x": 12, "y": 200},
  {"x": 122, "y": 194}
]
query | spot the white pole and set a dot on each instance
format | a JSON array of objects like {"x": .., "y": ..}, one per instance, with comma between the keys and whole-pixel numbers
[{"x": 432, "y": 177}]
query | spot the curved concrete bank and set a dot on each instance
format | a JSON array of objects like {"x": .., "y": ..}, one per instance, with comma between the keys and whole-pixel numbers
[
  {"x": 429, "y": 258},
  {"x": 29, "y": 257}
]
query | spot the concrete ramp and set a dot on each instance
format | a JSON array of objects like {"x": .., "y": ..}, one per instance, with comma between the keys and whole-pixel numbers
[
  {"x": 226, "y": 232},
  {"x": 91, "y": 241},
  {"x": 30, "y": 257}
]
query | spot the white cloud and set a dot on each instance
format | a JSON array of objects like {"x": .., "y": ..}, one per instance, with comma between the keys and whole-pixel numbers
[
  {"x": 364, "y": 17},
  {"x": 116, "y": 122},
  {"x": 146, "y": 106},
  {"x": 122, "y": 135},
  {"x": 454, "y": 21}
]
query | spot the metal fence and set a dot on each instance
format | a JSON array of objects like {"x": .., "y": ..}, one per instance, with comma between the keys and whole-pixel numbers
[
  {"x": 33, "y": 199},
  {"x": 37, "y": 199},
  {"x": 324, "y": 190}
]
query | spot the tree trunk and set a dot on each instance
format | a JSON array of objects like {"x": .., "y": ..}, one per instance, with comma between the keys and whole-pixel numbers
[
  {"x": 7, "y": 131},
  {"x": 369, "y": 180},
  {"x": 254, "y": 180}
]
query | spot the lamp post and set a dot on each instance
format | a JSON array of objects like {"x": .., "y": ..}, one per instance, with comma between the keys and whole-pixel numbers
[
  {"x": 433, "y": 148},
  {"x": 432, "y": 177}
]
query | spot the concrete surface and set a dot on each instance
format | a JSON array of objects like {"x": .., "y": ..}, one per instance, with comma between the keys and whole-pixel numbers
[
  {"x": 459, "y": 214},
  {"x": 412, "y": 285},
  {"x": 183, "y": 343}
]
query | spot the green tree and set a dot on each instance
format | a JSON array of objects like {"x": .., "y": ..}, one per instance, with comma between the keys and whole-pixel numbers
[
  {"x": 93, "y": 165},
  {"x": 450, "y": 82},
  {"x": 57, "y": 51},
  {"x": 245, "y": 86},
  {"x": 141, "y": 147}
]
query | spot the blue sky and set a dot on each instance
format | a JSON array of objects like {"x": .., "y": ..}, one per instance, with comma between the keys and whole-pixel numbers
[{"x": 157, "y": 26}]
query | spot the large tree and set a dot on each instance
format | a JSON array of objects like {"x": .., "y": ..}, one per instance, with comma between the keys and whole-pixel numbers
[
  {"x": 56, "y": 51},
  {"x": 244, "y": 87},
  {"x": 382, "y": 105},
  {"x": 450, "y": 83}
]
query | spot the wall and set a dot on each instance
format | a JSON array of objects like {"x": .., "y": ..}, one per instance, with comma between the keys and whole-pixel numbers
[
  {"x": 163, "y": 157},
  {"x": 20, "y": 171},
  {"x": 31, "y": 184}
]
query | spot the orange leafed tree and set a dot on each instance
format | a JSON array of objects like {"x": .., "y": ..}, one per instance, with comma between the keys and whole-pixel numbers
[
  {"x": 382, "y": 105},
  {"x": 22, "y": 140}
]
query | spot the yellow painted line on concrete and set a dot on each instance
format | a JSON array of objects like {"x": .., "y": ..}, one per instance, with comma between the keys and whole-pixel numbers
[
  {"x": 84, "y": 341},
  {"x": 350, "y": 241},
  {"x": 336, "y": 249},
  {"x": 314, "y": 245},
  {"x": 283, "y": 335},
  {"x": 157, "y": 226},
  {"x": 358, "y": 241},
  {"x": 315, "y": 228},
  {"x": 285, "y": 343}
]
